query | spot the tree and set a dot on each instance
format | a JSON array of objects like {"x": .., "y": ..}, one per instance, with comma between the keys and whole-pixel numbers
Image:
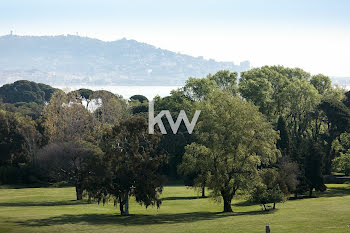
[
  {"x": 31, "y": 136},
  {"x": 70, "y": 161},
  {"x": 26, "y": 92},
  {"x": 341, "y": 147},
  {"x": 85, "y": 93},
  {"x": 322, "y": 83},
  {"x": 288, "y": 175},
  {"x": 197, "y": 88},
  {"x": 133, "y": 162},
  {"x": 140, "y": 98},
  {"x": 194, "y": 164},
  {"x": 346, "y": 100},
  {"x": 313, "y": 168},
  {"x": 12, "y": 142},
  {"x": 267, "y": 190},
  {"x": 283, "y": 143},
  {"x": 66, "y": 119},
  {"x": 292, "y": 96},
  {"x": 238, "y": 140},
  {"x": 226, "y": 81},
  {"x": 342, "y": 163},
  {"x": 338, "y": 121},
  {"x": 110, "y": 108},
  {"x": 138, "y": 104},
  {"x": 264, "y": 86}
]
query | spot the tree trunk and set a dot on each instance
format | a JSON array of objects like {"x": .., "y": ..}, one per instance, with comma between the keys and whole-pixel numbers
[
  {"x": 79, "y": 191},
  {"x": 203, "y": 191},
  {"x": 227, "y": 203},
  {"x": 274, "y": 205},
  {"x": 121, "y": 208},
  {"x": 127, "y": 204},
  {"x": 124, "y": 204},
  {"x": 310, "y": 192}
]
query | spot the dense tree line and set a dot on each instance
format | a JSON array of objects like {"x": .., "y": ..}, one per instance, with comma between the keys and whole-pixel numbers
[{"x": 274, "y": 132}]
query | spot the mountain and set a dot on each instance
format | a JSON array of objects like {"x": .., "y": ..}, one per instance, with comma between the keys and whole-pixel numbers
[{"x": 75, "y": 60}]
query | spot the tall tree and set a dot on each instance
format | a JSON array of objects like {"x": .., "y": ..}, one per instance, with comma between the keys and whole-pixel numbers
[
  {"x": 263, "y": 86},
  {"x": 133, "y": 162},
  {"x": 283, "y": 143},
  {"x": 66, "y": 119},
  {"x": 338, "y": 121},
  {"x": 12, "y": 142},
  {"x": 238, "y": 140},
  {"x": 313, "y": 168},
  {"x": 341, "y": 148},
  {"x": 194, "y": 164},
  {"x": 70, "y": 161}
]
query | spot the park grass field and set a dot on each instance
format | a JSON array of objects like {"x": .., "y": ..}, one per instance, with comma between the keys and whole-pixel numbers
[{"x": 55, "y": 210}]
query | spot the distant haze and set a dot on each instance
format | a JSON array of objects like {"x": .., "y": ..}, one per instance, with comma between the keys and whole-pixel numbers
[{"x": 76, "y": 61}]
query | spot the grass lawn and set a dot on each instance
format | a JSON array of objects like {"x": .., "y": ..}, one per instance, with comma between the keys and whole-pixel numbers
[{"x": 55, "y": 210}]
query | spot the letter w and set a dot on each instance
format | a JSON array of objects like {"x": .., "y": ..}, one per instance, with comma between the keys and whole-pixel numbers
[{"x": 182, "y": 116}]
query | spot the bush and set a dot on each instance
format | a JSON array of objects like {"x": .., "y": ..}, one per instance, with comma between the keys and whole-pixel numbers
[{"x": 267, "y": 191}]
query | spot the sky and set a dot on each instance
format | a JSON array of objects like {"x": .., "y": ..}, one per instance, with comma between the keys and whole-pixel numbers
[{"x": 313, "y": 35}]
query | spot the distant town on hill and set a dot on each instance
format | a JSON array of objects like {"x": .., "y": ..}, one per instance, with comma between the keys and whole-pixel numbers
[{"x": 73, "y": 60}]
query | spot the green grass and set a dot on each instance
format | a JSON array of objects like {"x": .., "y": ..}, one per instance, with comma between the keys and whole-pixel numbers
[{"x": 55, "y": 210}]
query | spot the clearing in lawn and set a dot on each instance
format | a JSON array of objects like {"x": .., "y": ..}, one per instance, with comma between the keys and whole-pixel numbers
[{"x": 55, "y": 210}]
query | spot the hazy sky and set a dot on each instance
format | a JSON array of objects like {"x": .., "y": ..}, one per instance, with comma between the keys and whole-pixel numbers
[{"x": 314, "y": 35}]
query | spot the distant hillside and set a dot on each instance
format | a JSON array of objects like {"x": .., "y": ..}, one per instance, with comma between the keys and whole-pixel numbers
[{"x": 69, "y": 60}]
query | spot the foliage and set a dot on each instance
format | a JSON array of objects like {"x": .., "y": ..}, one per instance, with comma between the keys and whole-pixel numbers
[
  {"x": 338, "y": 121},
  {"x": 197, "y": 88},
  {"x": 85, "y": 93},
  {"x": 174, "y": 144},
  {"x": 26, "y": 91},
  {"x": 283, "y": 143},
  {"x": 342, "y": 163},
  {"x": 18, "y": 139},
  {"x": 267, "y": 190},
  {"x": 288, "y": 175},
  {"x": 111, "y": 108},
  {"x": 65, "y": 119},
  {"x": 132, "y": 163},
  {"x": 71, "y": 162},
  {"x": 238, "y": 140},
  {"x": 341, "y": 147},
  {"x": 140, "y": 98},
  {"x": 264, "y": 87},
  {"x": 194, "y": 164},
  {"x": 313, "y": 168},
  {"x": 322, "y": 83}
]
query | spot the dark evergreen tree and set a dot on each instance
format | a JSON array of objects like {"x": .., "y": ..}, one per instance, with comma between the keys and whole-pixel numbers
[
  {"x": 283, "y": 143},
  {"x": 338, "y": 121},
  {"x": 313, "y": 168}
]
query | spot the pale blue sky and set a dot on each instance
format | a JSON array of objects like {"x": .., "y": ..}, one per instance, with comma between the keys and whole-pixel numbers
[{"x": 314, "y": 35}]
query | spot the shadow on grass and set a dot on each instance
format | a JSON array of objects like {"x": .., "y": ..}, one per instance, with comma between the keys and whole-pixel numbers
[
  {"x": 335, "y": 192},
  {"x": 244, "y": 203},
  {"x": 180, "y": 198},
  {"x": 114, "y": 219},
  {"x": 54, "y": 203}
]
